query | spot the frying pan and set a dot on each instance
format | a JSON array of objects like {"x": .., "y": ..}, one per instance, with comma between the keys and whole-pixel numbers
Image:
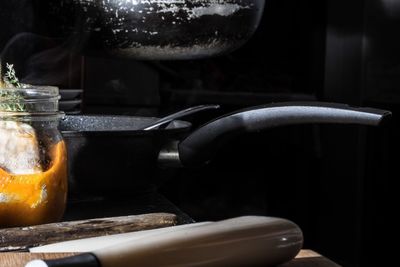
[
  {"x": 155, "y": 29},
  {"x": 114, "y": 155}
]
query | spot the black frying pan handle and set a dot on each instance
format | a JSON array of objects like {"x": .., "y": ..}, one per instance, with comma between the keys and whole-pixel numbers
[{"x": 199, "y": 147}]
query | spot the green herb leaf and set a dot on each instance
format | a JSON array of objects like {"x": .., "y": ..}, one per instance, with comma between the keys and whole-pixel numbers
[
  {"x": 10, "y": 77},
  {"x": 11, "y": 101}
]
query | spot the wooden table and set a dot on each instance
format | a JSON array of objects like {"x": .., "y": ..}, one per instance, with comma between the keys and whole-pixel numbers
[
  {"x": 306, "y": 258},
  {"x": 309, "y": 258}
]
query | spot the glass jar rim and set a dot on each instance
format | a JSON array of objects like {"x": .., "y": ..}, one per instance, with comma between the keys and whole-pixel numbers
[
  {"x": 50, "y": 90},
  {"x": 34, "y": 116},
  {"x": 34, "y": 100},
  {"x": 41, "y": 102}
]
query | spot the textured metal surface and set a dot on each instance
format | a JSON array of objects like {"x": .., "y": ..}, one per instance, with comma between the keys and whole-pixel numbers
[
  {"x": 162, "y": 29},
  {"x": 103, "y": 123}
]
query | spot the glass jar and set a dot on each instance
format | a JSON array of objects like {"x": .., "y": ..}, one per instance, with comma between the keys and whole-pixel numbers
[{"x": 33, "y": 158}]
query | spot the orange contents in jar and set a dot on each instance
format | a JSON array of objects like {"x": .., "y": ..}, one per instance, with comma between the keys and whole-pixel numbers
[{"x": 35, "y": 198}]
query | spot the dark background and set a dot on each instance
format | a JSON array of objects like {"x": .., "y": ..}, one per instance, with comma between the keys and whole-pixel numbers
[{"x": 337, "y": 182}]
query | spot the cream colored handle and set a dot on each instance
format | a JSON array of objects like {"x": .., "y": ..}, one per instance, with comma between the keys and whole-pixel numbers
[
  {"x": 96, "y": 243},
  {"x": 243, "y": 241}
]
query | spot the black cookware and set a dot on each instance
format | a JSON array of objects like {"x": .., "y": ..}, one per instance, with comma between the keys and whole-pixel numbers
[
  {"x": 155, "y": 29},
  {"x": 112, "y": 154}
]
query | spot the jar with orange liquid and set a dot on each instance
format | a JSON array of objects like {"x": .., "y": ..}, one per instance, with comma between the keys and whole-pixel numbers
[{"x": 33, "y": 159}]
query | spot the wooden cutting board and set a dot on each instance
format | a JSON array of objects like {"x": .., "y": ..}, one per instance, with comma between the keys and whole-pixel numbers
[
  {"x": 306, "y": 258},
  {"x": 21, "y": 238}
]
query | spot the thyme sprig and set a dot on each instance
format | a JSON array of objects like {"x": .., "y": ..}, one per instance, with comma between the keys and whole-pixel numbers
[
  {"x": 11, "y": 77},
  {"x": 12, "y": 101}
]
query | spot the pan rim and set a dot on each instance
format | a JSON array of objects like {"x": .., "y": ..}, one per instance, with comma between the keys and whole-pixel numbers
[{"x": 180, "y": 126}]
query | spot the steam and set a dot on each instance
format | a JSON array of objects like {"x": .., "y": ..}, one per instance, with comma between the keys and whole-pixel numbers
[{"x": 41, "y": 60}]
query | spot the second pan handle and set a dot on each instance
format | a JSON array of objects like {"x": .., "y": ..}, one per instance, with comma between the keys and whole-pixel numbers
[{"x": 199, "y": 147}]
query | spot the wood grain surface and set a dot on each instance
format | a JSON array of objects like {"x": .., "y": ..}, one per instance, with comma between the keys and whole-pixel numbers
[
  {"x": 20, "y": 238},
  {"x": 309, "y": 258},
  {"x": 306, "y": 258}
]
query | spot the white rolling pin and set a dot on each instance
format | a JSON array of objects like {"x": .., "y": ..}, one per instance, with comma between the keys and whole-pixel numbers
[
  {"x": 95, "y": 243},
  {"x": 243, "y": 241}
]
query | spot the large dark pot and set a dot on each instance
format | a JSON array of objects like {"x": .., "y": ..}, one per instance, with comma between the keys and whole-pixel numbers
[
  {"x": 113, "y": 155},
  {"x": 156, "y": 29}
]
